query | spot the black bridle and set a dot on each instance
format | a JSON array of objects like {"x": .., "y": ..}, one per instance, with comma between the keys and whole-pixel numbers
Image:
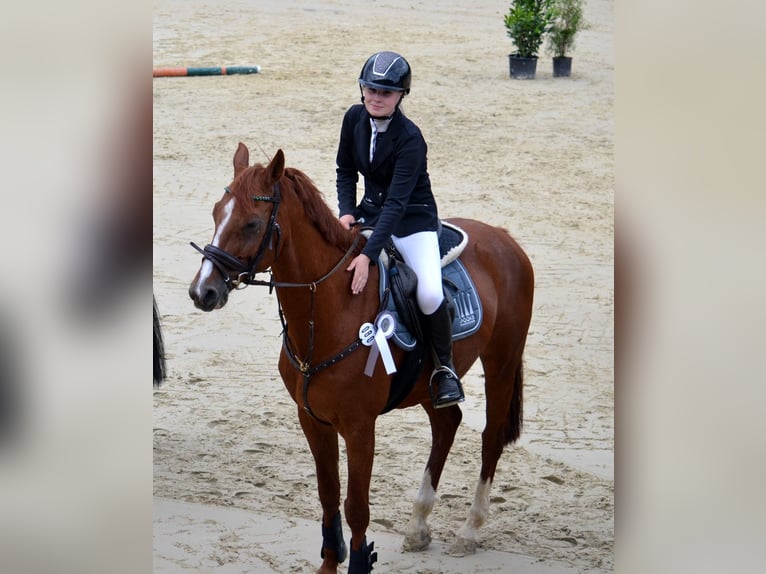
[{"x": 227, "y": 264}]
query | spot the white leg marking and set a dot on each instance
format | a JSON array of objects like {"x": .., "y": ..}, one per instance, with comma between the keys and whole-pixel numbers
[
  {"x": 418, "y": 534},
  {"x": 424, "y": 503},
  {"x": 478, "y": 514},
  {"x": 207, "y": 267}
]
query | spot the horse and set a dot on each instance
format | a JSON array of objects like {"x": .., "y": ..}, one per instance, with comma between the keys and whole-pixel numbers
[{"x": 273, "y": 219}]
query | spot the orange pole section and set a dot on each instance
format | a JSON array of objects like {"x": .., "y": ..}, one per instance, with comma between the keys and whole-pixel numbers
[{"x": 168, "y": 72}]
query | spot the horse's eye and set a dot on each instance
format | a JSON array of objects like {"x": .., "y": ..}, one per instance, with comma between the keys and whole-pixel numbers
[{"x": 253, "y": 226}]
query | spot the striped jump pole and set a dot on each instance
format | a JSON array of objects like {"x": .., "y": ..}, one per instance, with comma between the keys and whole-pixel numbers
[{"x": 207, "y": 71}]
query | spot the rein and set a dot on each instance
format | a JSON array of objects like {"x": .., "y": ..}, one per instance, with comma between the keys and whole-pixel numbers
[{"x": 228, "y": 264}]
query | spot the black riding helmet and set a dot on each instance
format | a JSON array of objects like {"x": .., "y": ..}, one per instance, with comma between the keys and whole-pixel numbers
[{"x": 386, "y": 71}]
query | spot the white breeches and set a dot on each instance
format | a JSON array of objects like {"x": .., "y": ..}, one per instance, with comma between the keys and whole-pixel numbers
[{"x": 421, "y": 252}]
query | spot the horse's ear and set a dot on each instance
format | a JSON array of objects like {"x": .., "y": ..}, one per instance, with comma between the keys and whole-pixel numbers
[
  {"x": 277, "y": 166},
  {"x": 241, "y": 158}
]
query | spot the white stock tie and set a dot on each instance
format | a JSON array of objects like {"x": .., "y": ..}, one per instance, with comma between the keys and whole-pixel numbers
[{"x": 373, "y": 137}]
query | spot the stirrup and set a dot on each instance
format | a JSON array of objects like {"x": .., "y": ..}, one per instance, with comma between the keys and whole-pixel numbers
[{"x": 452, "y": 397}]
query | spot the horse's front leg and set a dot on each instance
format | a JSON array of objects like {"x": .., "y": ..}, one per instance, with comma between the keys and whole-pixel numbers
[
  {"x": 360, "y": 450},
  {"x": 323, "y": 442}
]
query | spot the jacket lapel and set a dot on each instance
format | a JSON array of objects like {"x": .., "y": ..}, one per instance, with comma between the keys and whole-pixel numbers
[
  {"x": 362, "y": 132},
  {"x": 385, "y": 145}
]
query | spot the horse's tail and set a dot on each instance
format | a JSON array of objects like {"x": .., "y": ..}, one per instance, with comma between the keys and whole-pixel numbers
[
  {"x": 516, "y": 409},
  {"x": 159, "y": 348}
]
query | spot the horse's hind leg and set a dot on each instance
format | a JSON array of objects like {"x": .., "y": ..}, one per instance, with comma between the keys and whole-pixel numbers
[
  {"x": 504, "y": 415},
  {"x": 444, "y": 423}
]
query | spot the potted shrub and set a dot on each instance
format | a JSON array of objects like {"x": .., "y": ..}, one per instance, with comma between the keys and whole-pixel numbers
[
  {"x": 526, "y": 23},
  {"x": 566, "y": 22}
]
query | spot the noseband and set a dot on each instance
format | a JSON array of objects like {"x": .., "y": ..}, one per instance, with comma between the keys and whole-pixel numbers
[{"x": 229, "y": 265}]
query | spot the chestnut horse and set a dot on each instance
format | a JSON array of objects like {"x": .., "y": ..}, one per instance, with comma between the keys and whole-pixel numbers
[{"x": 273, "y": 218}]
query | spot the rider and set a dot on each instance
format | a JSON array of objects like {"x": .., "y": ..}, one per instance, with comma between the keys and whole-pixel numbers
[{"x": 387, "y": 148}]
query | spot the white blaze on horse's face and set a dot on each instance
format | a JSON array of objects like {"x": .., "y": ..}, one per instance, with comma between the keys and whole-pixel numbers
[{"x": 207, "y": 266}]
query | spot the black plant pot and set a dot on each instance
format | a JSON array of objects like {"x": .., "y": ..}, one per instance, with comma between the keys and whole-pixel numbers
[
  {"x": 562, "y": 66},
  {"x": 522, "y": 68}
]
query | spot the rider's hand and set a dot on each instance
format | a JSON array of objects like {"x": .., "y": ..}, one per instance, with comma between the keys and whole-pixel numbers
[
  {"x": 360, "y": 265},
  {"x": 347, "y": 220}
]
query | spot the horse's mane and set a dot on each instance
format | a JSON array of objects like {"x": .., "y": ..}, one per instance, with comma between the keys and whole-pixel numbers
[{"x": 317, "y": 210}]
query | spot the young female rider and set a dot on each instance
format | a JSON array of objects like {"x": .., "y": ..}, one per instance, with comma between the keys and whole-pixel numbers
[{"x": 387, "y": 148}]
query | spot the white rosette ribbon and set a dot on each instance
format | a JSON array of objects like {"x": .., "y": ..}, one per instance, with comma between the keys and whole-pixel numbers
[{"x": 376, "y": 337}]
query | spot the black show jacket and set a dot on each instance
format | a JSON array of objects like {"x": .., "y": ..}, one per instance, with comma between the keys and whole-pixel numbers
[{"x": 397, "y": 190}]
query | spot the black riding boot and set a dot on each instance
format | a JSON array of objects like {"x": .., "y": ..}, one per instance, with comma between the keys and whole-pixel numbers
[{"x": 449, "y": 390}]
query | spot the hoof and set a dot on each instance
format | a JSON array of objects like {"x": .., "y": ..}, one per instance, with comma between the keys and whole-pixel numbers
[
  {"x": 462, "y": 547},
  {"x": 417, "y": 541}
]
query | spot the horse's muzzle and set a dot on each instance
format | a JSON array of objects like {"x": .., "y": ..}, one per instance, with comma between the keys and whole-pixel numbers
[{"x": 208, "y": 297}]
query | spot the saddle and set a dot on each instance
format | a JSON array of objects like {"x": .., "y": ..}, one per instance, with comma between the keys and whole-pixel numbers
[
  {"x": 452, "y": 242},
  {"x": 398, "y": 280},
  {"x": 397, "y": 287}
]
